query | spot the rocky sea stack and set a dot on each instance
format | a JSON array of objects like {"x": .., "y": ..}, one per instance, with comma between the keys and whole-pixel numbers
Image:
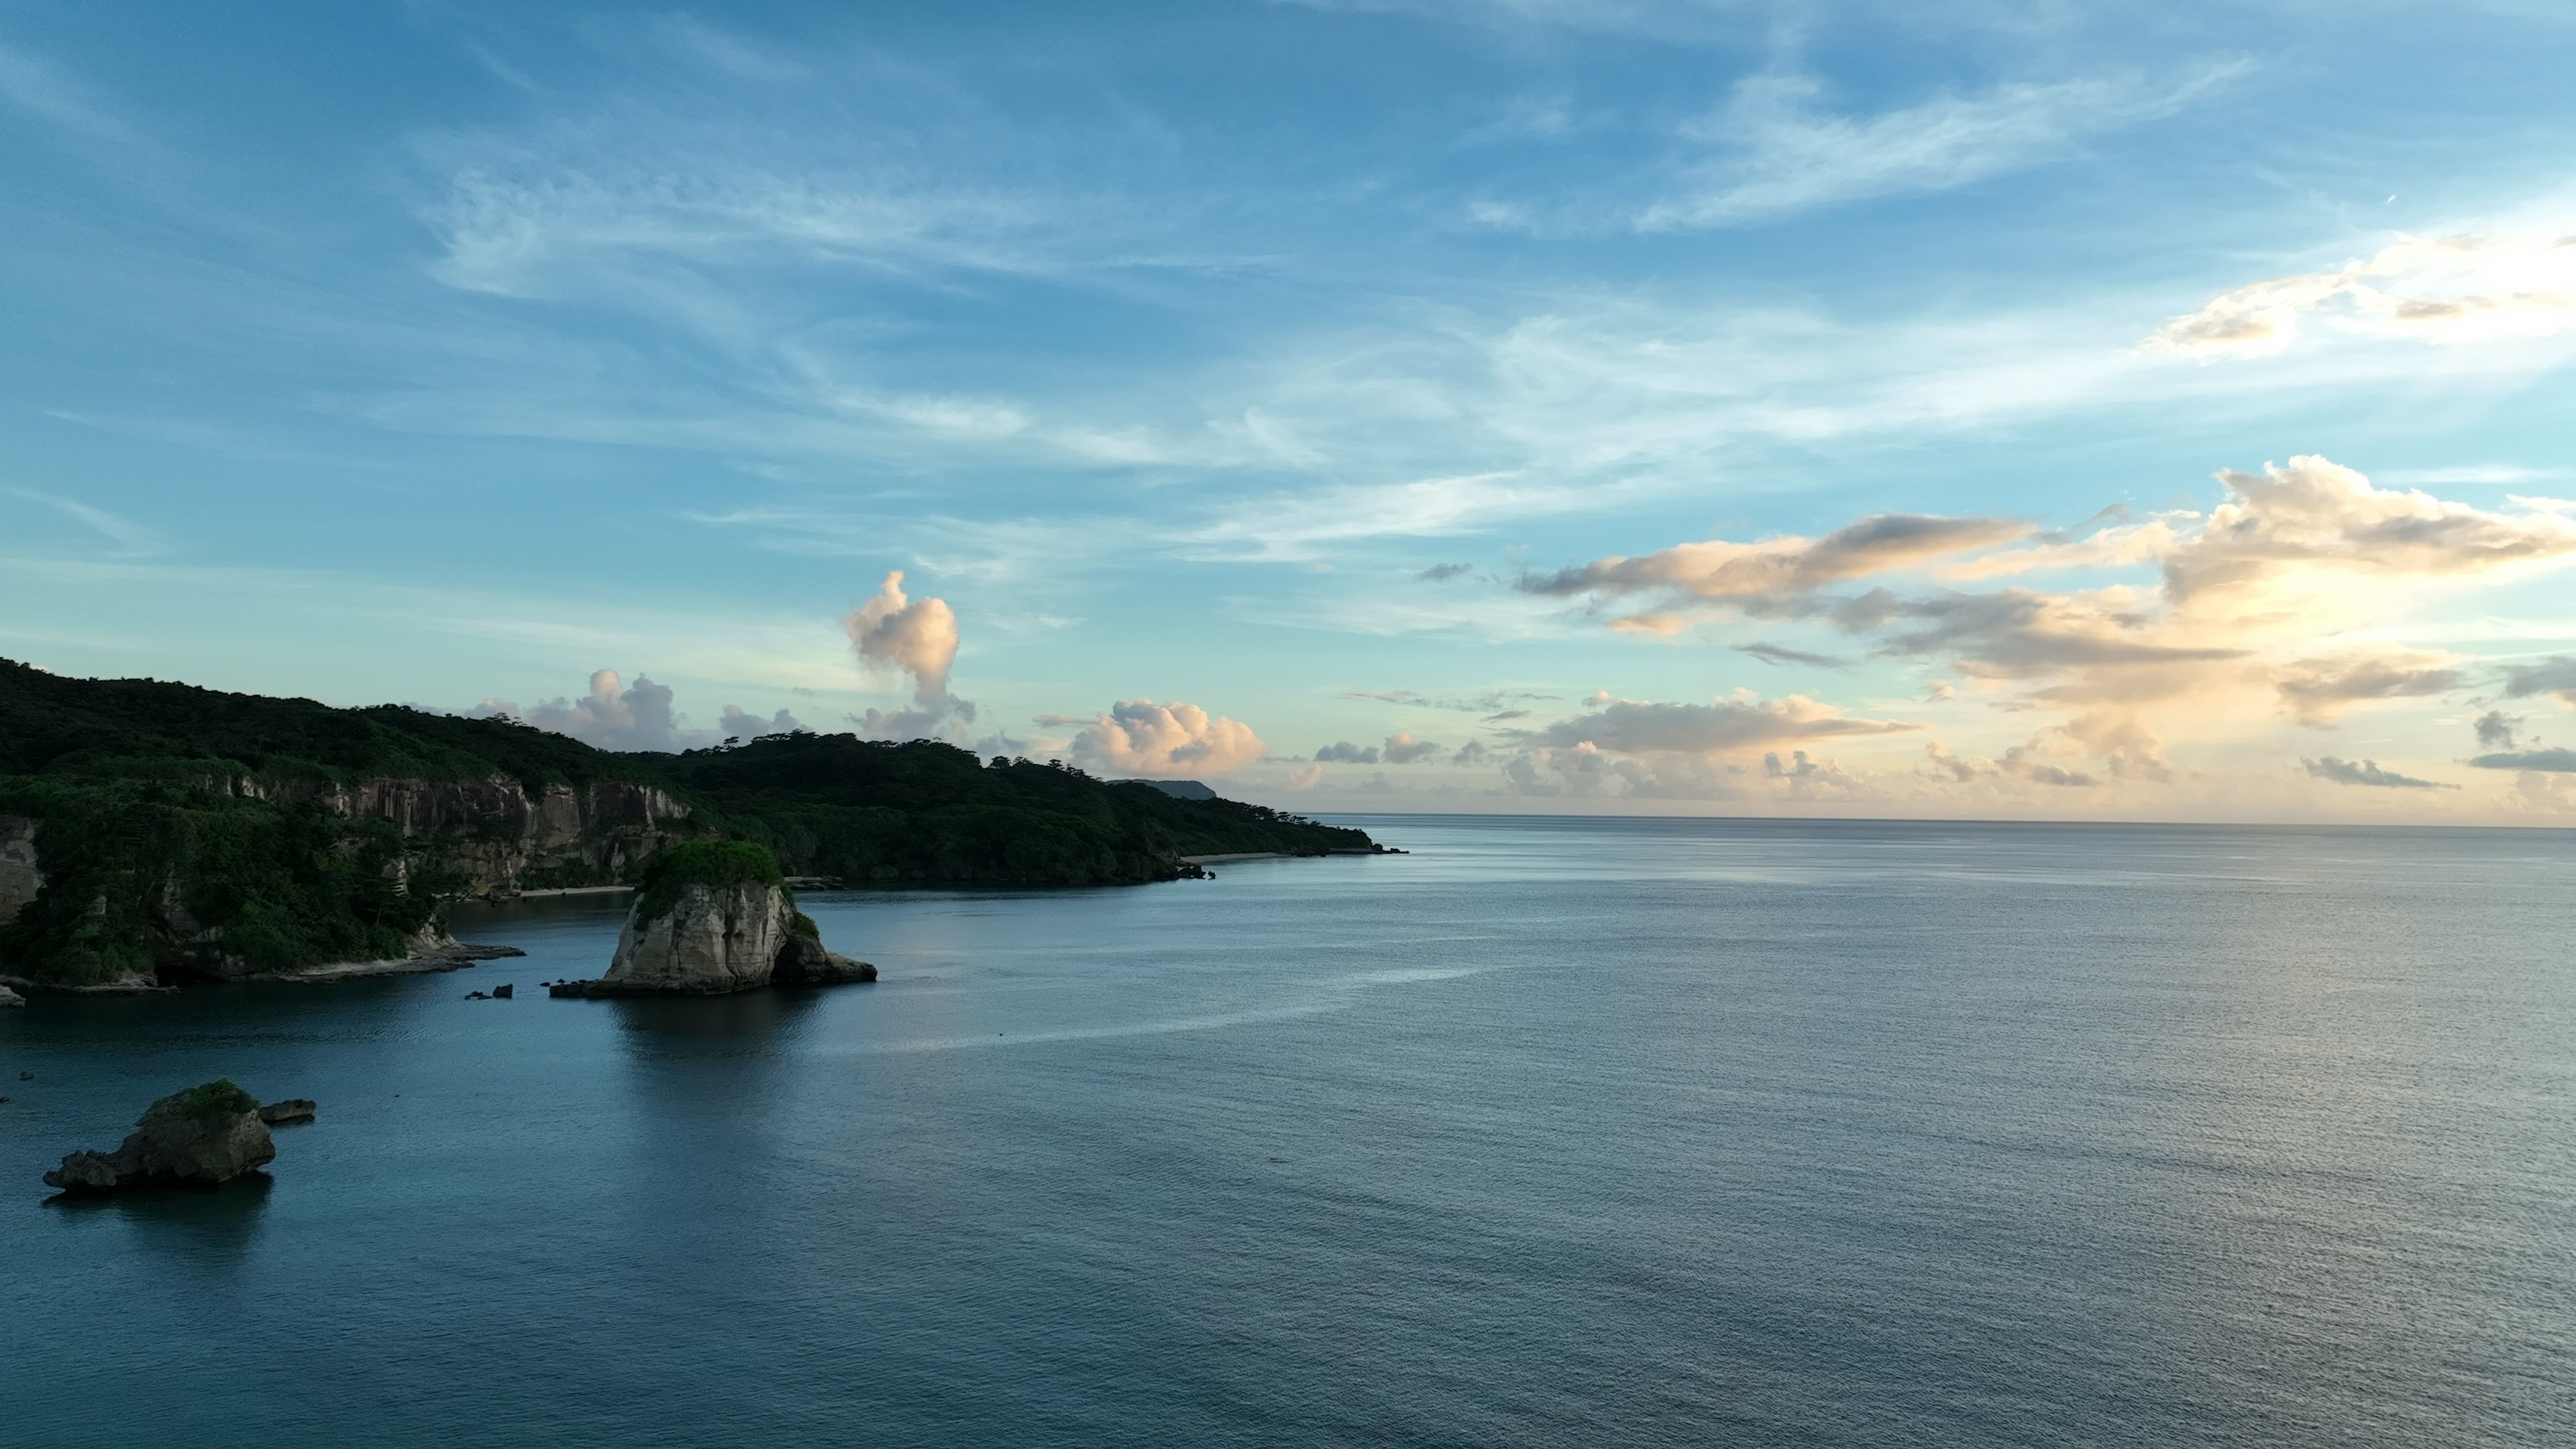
[
  {"x": 716, "y": 917},
  {"x": 203, "y": 1137}
]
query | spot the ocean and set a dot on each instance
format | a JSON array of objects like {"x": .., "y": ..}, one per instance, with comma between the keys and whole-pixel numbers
[{"x": 1599, "y": 1132}]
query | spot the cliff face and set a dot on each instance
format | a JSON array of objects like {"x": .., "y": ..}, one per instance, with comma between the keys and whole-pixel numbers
[
  {"x": 232, "y": 876},
  {"x": 501, "y": 838}
]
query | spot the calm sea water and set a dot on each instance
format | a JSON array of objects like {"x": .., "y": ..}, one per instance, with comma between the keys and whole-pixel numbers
[{"x": 1553, "y": 1132}]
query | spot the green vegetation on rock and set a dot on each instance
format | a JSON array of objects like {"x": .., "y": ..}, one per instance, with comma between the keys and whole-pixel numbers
[
  {"x": 143, "y": 874},
  {"x": 925, "y": 812},
  {"x": 719, "y": 865},
  {"x": 210, "y": 1102}
]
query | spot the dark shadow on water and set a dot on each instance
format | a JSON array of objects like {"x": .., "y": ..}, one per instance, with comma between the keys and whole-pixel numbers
[
  {"x": 760, "y": 1023},
  {"x": 709, "y": 1081},
  {"x": 210, "y": 1225}
]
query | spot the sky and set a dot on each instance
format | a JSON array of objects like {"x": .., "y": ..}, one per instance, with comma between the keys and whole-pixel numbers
[{"x": 2034, "y": 410}]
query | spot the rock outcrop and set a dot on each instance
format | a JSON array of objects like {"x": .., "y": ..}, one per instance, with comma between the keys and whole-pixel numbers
[
  {"x": 19, "y": 877},
  {"x": 716, "y": 917},
  {"x": 291, "y": 1110},
  {"x": 203, "y": 1137},
  {"x": 804, "y": 962}
]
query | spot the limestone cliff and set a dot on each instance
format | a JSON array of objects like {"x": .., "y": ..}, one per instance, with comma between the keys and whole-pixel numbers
[
  {"x": 501, "y": 837},
  {"x": 124, "y": 888},
  {"x": 712, "y": 939}
]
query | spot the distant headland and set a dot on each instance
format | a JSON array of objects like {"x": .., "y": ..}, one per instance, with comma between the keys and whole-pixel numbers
[{"x": 155, "y": 832}]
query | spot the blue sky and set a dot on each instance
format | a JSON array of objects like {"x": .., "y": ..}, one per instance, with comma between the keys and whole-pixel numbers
[{"x": 1273, "y": 391}]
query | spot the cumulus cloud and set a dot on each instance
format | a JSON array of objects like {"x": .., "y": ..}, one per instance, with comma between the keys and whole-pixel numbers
[
  {"x": 919, "y": 638},
  {"x": 2496, "y": 729},
  {"x": 2316, "y": 522},
  {"x": 1165, "y": 741},
  {"x": 1403, "y": 749},
  {"x": 1474, "y": 752},
  {"x": 1346, "y": 753},
  {"x": 2021, "y": 762},
  {"x": 1587, "y": 771},
  {"x": 739, "y": 723},
  {"x": 2367, "y": 772},
  {"x": 2434, "y": 289},
  {"x": 1810, "y": 778},
  {"x": 613, "y": 715}
]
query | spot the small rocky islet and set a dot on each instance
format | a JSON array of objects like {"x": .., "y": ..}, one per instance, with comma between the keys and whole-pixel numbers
[
  {"x": 713, "y": 918},
  {"x": 205, "y": 1136}
]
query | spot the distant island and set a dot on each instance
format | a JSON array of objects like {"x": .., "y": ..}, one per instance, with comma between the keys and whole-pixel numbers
[{"x": 152, "y": 831}]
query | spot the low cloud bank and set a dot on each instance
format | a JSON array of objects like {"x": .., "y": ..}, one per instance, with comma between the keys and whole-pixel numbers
[
  {"x": 634, "y": 717},
  {"x": 1165, "y": 742},
  {"x": 2367, "y": 772}
]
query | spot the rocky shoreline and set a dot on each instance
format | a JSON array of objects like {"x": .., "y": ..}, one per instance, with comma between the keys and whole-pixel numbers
[
  {"x": 452, "y": 956},
  {"x": 444, "y": 955}
]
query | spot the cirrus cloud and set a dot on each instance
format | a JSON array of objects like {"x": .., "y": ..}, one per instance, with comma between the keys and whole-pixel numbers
[
  {"x": 1718, "y": 569},
  {"x": 2433, "y": 289}
]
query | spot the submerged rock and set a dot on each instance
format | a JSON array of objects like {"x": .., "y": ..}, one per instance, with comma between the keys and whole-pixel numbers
[
  {"x": 291, "y": 1110},
  {"x": 203, "y": 1137},
  {"x": 715, "y": 918}
]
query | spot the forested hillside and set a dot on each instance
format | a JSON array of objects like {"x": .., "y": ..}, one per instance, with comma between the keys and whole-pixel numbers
[{"x": 151, "y": 828}]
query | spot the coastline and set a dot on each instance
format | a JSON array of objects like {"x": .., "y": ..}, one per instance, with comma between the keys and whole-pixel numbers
[
  {"x": 445, "y": 958},
  {"x": 1279, "y": 855}
]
